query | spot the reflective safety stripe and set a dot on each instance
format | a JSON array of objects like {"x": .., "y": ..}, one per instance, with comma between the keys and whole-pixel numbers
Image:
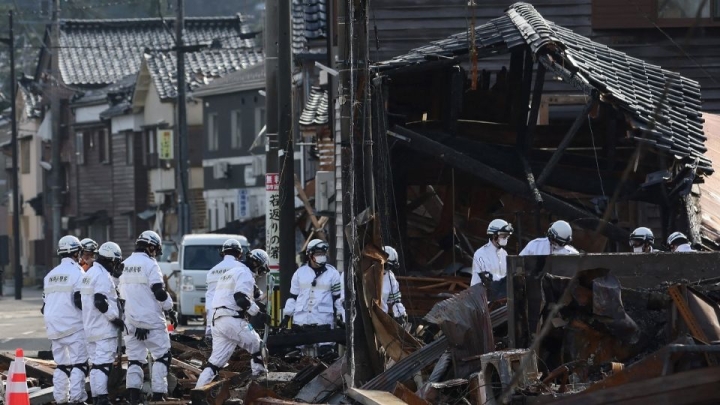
[
  {"x": 134, "y": 279},
  {"x": 87, "y": 290},
  {"x": 58, "y": 288}
]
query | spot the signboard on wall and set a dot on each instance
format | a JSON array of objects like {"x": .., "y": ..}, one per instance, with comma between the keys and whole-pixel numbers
[
  {"x": 272, "y": 219},
  {"x": 166, "y": 149},
  {"x": 243, "y": 203}
]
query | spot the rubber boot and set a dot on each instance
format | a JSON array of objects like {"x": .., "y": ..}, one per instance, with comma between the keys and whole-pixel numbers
[
  {"x": 158, "y": 397},
  {"x": 133, "y": 396},
  {"x": 102, "y": 400}
]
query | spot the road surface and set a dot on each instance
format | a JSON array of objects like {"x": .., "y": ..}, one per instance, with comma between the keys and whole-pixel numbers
[{"x": 22, "y": 325}]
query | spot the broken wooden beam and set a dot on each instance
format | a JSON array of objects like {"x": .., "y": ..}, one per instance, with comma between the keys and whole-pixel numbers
[
  {"x": 304, "y": 338},
  {"x": 368, "y": 397},
  {"x": 510, "y": 184},
  {"x": 565, "y": 142},
  {"x": 32, "y": 368},
  {"x": 535, "y": 105},
  {"x": 324, "y": 385},
  {"x": 530, "y": 177},
  {"x": 408, "y": 396},
  {"x": 44, "y": 396},
  {"x": 214, "y": 393}
]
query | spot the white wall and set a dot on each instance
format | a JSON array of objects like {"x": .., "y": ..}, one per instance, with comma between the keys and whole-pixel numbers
[
  {"x": 156, "y": 111},
  {"x": 89, "y": 113},
  {"x": 128, "y": 122}
]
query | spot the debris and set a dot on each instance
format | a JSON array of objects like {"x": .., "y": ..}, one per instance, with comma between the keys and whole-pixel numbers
[
  {"x": 408, "y": 396},
  {"x": 43, "y": 396},
  {"x": 368, "y": 397},
  {"x": 465, "y": 320},
  {"x": 214, "y": 393},
  {"x": 324, "y": 385},
  {"x": 498, "y": 369},
  {"x": 406, "y": 368}
]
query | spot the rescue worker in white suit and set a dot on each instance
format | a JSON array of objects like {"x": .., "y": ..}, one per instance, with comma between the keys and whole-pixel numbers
[
  {"x": 678, "y": 242},
  {"x": 101, "y": 317},
  {"x": 64, "y": 323},
  {"x": 557, "y": 242},
  {"x": 641, "y": 240},
  {"x": 490, "y": 261},
  {"x": 315, "y": 290},
  {"x": 146, "y": 303},
  {"x": 391, "y": 298},
  {"x": 229, "y": 260},
  {"x": 232, "y": 305}
]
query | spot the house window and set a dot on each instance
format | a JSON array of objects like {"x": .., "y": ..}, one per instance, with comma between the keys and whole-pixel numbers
[
  {"x": 654, "y": 13},
  {"x": 129, "y": 148},
  {"x": 25, "y": 156},
  {"x": 235, "y": 129},
  {"x": 80, "y": 147},
  {"x": 259, "y": 120},
  {"x": 149, "y": 149},
  {"x": 671, "y": 9},
  {"x": 209, "y": 219},
  {"x": 213, "y": 132},
  {"x": 104, "y": 143}
]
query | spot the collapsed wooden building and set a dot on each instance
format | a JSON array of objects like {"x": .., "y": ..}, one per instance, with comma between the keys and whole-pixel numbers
[{"x": 524, "y": 120}]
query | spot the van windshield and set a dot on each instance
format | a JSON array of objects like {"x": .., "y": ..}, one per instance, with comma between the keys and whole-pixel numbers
[{"x": 201, "y": 257}]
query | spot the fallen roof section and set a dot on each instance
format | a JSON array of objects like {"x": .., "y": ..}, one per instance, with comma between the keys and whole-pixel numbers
[{"x": 661, "y": 106}]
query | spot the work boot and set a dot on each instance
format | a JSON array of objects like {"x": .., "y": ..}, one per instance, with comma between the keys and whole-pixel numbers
[
  {"x": 101, "y": 400},
  {"x": 133, "y": 396},
  {"x": 158, "y": 397}
]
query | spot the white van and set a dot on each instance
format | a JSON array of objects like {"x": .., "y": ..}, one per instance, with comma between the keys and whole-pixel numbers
[{"x": 198, "y": 254}]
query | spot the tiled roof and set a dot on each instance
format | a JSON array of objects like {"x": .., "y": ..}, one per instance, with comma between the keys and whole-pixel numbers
[
  {"x": 630, "y": 84},
  {"x": 31, "y": 93},
  {"x": 246, "y": 79},
  {"x": 309, "y": 24},
  {"x": 119, "y": 95},
  {"x": 200, "y": 67},
  {"x": 96, "y": 52},
  {"x": 316, "y": 108}
]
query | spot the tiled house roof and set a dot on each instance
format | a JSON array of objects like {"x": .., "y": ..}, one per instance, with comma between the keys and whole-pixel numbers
[
  {"x": 309, "y": 26},
  {"x": 200, "y": 67},
  {"x": 630, "y": 84},
  {"x": 98, "y": 52},
  {"x": 316, "y": 108}
]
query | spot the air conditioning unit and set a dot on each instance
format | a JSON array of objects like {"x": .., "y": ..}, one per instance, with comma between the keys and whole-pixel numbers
[
  {"x": 324, "y": 190},
  {"x": 220, "y": 170}
]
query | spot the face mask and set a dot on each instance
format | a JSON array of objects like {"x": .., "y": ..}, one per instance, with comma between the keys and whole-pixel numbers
[
  {"x": 502, "y": 241},
  {"x": 638, "y": 249},
  {"x": 320, "y": 259}
]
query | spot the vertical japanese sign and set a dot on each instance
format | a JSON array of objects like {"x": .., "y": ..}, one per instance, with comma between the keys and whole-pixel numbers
[
  {"x": 243, "y": 204},
  {"x": 165, "y": 145},
  {"x": 272, "y": 219}
]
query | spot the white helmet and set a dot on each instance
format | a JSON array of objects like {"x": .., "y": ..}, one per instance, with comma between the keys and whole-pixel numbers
[
  {"x": 393, "y": 259},
  {"x": 316, "y": 245},
  {"x": 643, "y": 235},
  {"x": 674, "y": 238},
  {"x": 560, "y": 232},
  {"x": 258, "y": 261},
  {"x": 499, "y": 225},
  {"x": 89, "y": 245},
  {"x": 110, "y": 251},
  {"x": 231, "y": 245},
  {"x": 68, "y": 245},
  {"x": 244, "y": 243},
  {"x": 150, "y": 238}
]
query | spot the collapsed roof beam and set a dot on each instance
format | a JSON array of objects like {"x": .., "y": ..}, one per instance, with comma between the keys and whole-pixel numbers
[
  {"x": 535, "y": 105},
  {"x": 555, "y": 158},
  {"x": 506, "y": 182}
]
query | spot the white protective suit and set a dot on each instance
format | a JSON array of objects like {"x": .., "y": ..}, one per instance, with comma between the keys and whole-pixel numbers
[
  {"x": 314, "y": 305},
  {"x": 685, "y": 247},
  {"x": 227, "y": 263},
  {"x": 143, "y": 310},
  {"x": 391, "y": 297},
  {"x": 230, "y": 328},
  {"x": 101, "y": 335},
  {"x": 491, "y": 260},
  {"x": 543, "y": 247},
  {"x": 64, "y": 324}
]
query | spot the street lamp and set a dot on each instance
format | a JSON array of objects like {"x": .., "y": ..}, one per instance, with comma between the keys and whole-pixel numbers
[{"x": 10, "y": 41}]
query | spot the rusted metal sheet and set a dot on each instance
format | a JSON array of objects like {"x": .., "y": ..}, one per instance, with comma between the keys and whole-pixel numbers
[
  {"x": 465, "y": 320},
  {"x": 324, "y": 385},
  {"x": 695, "y": 387},
  {"x": 406, "y": 368},
  {"x": 408, "y": 396}
]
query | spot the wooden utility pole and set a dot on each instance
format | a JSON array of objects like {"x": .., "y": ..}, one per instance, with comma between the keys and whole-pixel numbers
[
  {"x": 54, "y": 82},
  {"x": 286, "y": 151},
  {"x": 271, "y": 131},
  {"x": 181, "y": 124}
]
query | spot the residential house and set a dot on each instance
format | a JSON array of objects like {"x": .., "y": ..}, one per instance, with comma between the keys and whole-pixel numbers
[
  {"x": 233, "y": 162},
  {"x": 89, "y": 67}
]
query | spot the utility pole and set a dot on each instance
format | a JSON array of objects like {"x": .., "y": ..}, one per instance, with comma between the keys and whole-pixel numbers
[
  {"x": 181, "y": 124},
  {"x": 55, "y": 78},
  {"x": 10, "y": 41},
  {"x": 286, "y": 151}
]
